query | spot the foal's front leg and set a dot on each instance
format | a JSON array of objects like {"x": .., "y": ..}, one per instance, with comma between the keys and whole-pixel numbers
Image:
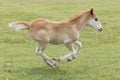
[
  {"x": 71, "y": 55},
  {"x": 48, "y": 61},
  {"x": 79, "y": 46},
  {"x": 74, "y": 52}
]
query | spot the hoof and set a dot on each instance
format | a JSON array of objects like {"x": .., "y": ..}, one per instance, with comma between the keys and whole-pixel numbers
[
  {"x": 52, "y": 63},
  {"x": 69, "y": 60},
  {"x": 58, "y": 60}
]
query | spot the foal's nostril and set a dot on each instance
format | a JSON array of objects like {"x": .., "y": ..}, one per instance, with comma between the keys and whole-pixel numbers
[{"x": 100, "y": 29}]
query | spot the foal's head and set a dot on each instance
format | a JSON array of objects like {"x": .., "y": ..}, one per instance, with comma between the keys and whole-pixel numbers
[{"x": 94, "y": 22}]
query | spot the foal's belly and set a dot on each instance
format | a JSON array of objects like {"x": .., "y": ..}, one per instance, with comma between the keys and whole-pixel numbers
[
  {"x": 56, "y": 42},
  {"x": 63, "y": 40}
]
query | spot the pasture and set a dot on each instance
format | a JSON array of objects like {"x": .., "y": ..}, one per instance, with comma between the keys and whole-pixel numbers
[{"x": 99, "y": 59}]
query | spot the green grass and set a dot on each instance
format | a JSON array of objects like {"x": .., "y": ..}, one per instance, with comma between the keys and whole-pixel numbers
[{"x": 99, "y": 59}]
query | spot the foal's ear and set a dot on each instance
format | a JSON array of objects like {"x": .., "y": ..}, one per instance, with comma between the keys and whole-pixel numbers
[{"x": 91, "y": 11}]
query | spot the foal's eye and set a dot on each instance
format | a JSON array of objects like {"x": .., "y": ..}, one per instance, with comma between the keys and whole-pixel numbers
[{"x": 96, "y": 19}]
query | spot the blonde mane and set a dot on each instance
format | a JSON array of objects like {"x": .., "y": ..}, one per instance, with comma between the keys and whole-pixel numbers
[{"x": 75, "y": 16}]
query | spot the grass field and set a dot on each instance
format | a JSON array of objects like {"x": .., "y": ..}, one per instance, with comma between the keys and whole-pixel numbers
[{"x": 99, "y": 59}]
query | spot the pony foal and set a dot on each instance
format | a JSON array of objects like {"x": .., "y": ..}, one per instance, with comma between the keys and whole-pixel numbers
[{"x": 67, "y": 32}]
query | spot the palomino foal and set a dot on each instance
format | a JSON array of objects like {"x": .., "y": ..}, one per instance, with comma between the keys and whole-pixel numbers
[{"x": 66, "y": 32}]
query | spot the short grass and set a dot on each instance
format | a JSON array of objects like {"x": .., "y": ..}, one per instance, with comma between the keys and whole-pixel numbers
[{"x": 99, "y": 59}]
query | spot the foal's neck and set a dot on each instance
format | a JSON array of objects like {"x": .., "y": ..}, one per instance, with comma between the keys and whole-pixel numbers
[{"x": 81, "y": 21}]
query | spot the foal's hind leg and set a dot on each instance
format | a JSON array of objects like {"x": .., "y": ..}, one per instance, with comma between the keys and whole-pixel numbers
[
  {"x": 37, "y": 47},
  {"x": 39, "y": 50}
]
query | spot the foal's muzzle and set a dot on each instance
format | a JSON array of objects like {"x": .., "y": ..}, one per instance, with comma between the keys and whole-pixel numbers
[{"x": 100, "y": 29}]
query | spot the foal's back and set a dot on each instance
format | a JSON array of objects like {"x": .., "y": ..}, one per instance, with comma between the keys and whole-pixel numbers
[{"x": 43, "y": 30}]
